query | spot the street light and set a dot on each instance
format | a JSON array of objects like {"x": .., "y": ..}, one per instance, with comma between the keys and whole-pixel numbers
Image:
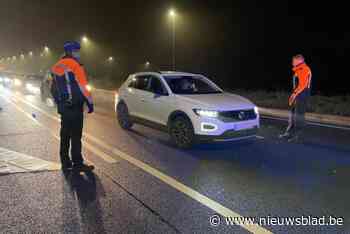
[
  {"x": 84, "y": 39},
  {"x": 30, "y": 53},
  {"x": 110, "y": 59},
  {"x": 46, "y": 49},
  {"x": 172, "y": 15}
]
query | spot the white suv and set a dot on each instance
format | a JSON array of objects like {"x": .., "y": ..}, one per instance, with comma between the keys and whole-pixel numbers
[{"x": 188, "y": 106}]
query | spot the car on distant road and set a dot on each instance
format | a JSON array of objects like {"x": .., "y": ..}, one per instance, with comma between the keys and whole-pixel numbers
[
  {"x": 45, "y": 92},
  {"x": 190, "y": 107},
  {"x": 32, "y": 84}
]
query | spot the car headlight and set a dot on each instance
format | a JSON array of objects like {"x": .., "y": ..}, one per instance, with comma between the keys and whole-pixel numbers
[
  {"x": 256, "y": 110},
  {"x": 17, "y": 82},
  {"x": 206, "y": 113}
]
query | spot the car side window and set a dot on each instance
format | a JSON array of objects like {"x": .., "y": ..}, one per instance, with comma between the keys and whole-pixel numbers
[
  {"x": 157, "y": 87},
  {"x": 132, "y": 83},
  {"x": 140, "y": 82}
]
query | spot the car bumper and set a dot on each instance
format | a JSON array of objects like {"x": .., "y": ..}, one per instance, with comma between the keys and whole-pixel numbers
[{"x": 230, "y": 135}]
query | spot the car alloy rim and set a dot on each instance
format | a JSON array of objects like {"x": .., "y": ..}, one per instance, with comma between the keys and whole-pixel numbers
[
  {"x": 123, "y": 115},
  {"x": 181, "y": 133}
]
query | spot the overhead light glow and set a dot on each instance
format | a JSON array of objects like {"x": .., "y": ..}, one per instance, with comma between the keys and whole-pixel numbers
[{"x": 17, "y": 82}]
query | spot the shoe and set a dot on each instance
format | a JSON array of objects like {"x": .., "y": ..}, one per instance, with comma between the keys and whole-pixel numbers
[
  {"x": 67, "y": 166},
  {"x": 284, "y": 135},
  {"x": 83, "y": 167}
]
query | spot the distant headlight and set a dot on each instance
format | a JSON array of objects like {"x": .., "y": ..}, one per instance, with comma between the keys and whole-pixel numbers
[
  {"x": 29, "y": 86},
  {"x": 206, "y": 113},
  {"x": 88, "y": 88},
  {"x": 33, "y": 89},
  {"x": 256, "y": 110},
  {"x": 17, "y": 82}
]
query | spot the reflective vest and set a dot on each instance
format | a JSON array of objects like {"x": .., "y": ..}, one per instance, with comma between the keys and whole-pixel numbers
[
  {"x": 303, "y": 75},
  {"x": 70, "y": 81}
]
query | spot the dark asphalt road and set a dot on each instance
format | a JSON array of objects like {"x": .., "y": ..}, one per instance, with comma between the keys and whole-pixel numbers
[{"x": 260, "y": 178}]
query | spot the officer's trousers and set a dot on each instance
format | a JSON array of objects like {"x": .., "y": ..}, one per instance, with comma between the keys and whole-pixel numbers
[
  {"x": 297, "y": 114},
  {"x": 71, "y": 132}
]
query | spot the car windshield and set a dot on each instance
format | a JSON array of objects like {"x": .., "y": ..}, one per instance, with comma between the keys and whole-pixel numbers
[{"x": 188, "y": 85}]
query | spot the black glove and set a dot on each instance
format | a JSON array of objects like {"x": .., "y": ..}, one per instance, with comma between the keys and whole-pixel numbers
[{"x": 90, "y": 107}]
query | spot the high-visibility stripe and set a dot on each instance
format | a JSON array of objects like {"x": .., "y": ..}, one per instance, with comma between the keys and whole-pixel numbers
[
  {"x": 309, "y": 80},
  {"x": 68, "y": 83}
]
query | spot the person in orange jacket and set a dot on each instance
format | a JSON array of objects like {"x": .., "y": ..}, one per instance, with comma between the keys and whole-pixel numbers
[
  {"x": 299, "y": 98},
  {"x": 70, "y": 92}
]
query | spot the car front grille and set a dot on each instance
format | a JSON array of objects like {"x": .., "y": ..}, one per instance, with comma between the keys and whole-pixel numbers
[{"x": 237, "y": 115}]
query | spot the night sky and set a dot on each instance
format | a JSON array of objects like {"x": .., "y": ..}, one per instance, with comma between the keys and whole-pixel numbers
[{"x": 239, "y": 44}]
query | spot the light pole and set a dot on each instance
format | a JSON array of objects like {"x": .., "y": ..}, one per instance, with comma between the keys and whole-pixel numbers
[{"x": 172, "y": 15}]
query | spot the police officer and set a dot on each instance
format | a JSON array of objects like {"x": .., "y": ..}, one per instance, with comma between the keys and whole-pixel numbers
[
  {"x": 299, "y": 99},
  {"x": 69, "y": 89}
]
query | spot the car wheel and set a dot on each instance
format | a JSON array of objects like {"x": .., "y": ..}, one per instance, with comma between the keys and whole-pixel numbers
[
  {"x": 182, "y": 132},
  {"x": 123, "y": 116}
]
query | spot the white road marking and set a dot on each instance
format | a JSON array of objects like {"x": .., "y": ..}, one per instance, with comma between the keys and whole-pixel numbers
[
  {"x": 14, "y": 162},
  {"x": 260, "y": 137},
  {"x": 215, "y": 206},
  {"x": 310, "y": 123}
]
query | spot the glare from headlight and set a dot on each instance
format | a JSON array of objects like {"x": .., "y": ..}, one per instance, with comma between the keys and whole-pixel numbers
[
  {"x": 256, "y": 110},
  {"x": 17, "y": 82},
  {"x": 33, "y": 89},
  {"x": 1, "y": 79},
  {"x": 88, "y": 88},
  {"x": 7, "y": 79},
  {"x": 116, "y": 97},
  {"x": 29, "y": 86},
  {"x": 206, "y": 113}
]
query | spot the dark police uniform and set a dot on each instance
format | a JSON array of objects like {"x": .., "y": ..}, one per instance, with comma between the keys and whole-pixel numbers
[{"x": 69, "y": 89}]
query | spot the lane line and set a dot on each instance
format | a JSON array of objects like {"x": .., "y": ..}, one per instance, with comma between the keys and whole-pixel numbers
[
  {"x": 93, "y": 149},
  {"x": 206, "y": 201},
  {"x": 309, "y": 123}
]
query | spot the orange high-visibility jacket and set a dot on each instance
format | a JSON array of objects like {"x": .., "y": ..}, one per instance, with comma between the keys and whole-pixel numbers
[
  {"x": 71, "y": 80},
  {"x": 303, "y": 73}
]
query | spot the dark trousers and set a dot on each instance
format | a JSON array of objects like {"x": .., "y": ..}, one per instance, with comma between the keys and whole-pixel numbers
[
  {"x": 297, "y": 114},
  {"x": 71, "y": 133}
]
